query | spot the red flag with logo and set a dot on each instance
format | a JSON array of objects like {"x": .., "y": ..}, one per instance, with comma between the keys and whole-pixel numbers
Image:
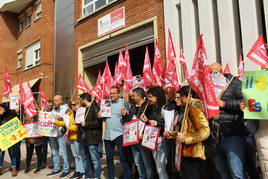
[
  {"x": 226, "y": 69},
  {"x": 121, "y": 69},
  {"x": 128, "y": 76},
  {"x": 240, "y": 67},
  {"x": 21, "y": 92},
  {"x": 170, "y": 76},
  {"x": 147, "y": 72},
  {"x": 97, "y": 90},
  {"x": 30, "y": 111},
  {"x": 106, "y": 81},
  {"x": 82, "y": 85},
  {"x": 43, "y": 98},
  {"x": 183, "y": 63},
  {"x": 7, "y": 85},
  {"x": 201, "y": 81},
  {"x": 258, "y": 53},
  {"x": 157, "y": 67}
]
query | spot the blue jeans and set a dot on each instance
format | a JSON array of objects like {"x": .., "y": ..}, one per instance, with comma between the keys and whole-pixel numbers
[
  {"x": 230, "y": 158},
  {"x": 91, "y": 157},
  {"x": 79, "y": 166},
  {"x": 13, "y": 154},
  {"x": 58, "y": 147},
  {"x": 109, "y": 148},
  {"x": 136, "y": 151}
]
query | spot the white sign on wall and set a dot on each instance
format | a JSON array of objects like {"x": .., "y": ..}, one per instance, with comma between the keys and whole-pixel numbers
[{"x": 111, "y": 22}]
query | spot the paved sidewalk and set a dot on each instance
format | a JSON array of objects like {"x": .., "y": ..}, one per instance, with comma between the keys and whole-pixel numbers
[{"x": 42, "y": 174}]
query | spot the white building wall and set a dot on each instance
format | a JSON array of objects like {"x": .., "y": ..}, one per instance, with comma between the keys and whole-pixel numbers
[{"x": 230, "y": 28}]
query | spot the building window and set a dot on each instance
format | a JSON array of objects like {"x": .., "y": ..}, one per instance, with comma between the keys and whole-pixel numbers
[
  {"x": 33, "y": 55},
  {"x": 29, "y": 19},
  {"x": 21, "y": 25},
  {"x": 89, "y": 6},
  {"x": 38, "y": 11},
  {"x": 19, "y": 59}
]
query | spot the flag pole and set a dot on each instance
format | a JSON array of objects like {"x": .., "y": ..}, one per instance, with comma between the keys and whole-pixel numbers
[{"x": 186, "y": 110}]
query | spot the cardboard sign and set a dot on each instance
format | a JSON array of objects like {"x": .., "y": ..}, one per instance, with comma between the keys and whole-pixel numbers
[
  {"x": 254, "y": 89},
  {"x": 105, "y": 108},
  {"x": 130, "y": 133},
  {"x": 32, "y": 129},
  {"x": 80, "y": 114},
  {"x": 14, "y": 102},
  {"x": 45, "y": 128},
  {"x": 150, "y": 137},
  {"x": 11, "y": 133}
]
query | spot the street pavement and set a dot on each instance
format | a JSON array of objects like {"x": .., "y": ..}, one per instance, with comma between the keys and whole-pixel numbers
[{"x": 42, "y": 174}]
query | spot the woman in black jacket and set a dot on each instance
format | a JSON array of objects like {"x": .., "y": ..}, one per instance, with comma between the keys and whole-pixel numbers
[
  {"x": 5, "y": 116},
  {"x": 158, "y": 158}
]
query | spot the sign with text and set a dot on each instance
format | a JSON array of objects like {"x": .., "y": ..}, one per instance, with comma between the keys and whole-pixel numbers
[
  {"x": 105, "y": 108},
  {"x": 80, "y": 114},
  {"x": 11, "y": 133},
  {"x": 13, "y": 102},
  {"x": 45, "y": 128},
  {"x": 130, "y": 133},
  {"x": 32, "y": 129},
  {"x": 255, "y": 92},
  {"x": 111, "y": 22},
  {"x": 150, "y": 137}
]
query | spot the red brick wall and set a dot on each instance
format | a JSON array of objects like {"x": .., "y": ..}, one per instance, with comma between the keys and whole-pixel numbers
[
  {"x": 135, "y": 10},
  {"x": 43, "y": 30}
]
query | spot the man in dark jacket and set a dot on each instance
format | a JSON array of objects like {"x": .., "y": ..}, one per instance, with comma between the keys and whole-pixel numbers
[
  {"x": 5, "y": 116},
  {"x": 90, "y": 136},
  {"x": 230, "y": 157}
]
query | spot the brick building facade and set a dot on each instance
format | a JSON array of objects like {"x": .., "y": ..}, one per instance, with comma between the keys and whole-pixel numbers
[
  {"x": 143, "y": 22},
  {"x": 27, "y": 43}
]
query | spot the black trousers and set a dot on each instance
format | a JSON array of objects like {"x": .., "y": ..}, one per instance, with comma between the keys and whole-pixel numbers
[
  {"x": 190, "y": 168},
  {"x": 29, "y": 153},
  {"x": 44, "y": 151}
]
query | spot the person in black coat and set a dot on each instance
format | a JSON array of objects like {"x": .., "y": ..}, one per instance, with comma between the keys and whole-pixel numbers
[
  {"x": 230, "y": 158},
  {"x": 5, "y": 116}
]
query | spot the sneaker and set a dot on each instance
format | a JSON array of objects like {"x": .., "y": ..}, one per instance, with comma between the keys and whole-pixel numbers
[
  {"x": 54, "y": 173},
  {"x": 37, "y": 170},
  {"x": 75, "y": 175},
  {"x": 64, "y": 175},
  {"x": 82, "y": 175},
  {"x": 27, "y": 169},
  {"x": 14, "y": 172}
]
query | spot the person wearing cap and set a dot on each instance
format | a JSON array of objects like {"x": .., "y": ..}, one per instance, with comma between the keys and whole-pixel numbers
[{"x": 5, "y": 116}]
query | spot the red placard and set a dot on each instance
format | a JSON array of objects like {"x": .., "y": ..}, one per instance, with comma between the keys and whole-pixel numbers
[
  {"x": 150, "y": 137},
  {"x": 130, "y": 133}
]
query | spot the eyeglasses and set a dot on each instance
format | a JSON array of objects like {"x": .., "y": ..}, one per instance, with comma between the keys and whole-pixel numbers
[
  {"x": 73, "y": 104},
  {"x": 177, "y": 97}
]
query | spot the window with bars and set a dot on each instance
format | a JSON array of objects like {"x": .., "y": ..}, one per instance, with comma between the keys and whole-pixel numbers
[{"x": 90, "y": 6}]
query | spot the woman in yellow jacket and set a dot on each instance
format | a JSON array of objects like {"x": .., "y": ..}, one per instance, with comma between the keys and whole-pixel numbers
[
  {"x": 195, "y": 129},
  {"x": 71, "y": 135}
]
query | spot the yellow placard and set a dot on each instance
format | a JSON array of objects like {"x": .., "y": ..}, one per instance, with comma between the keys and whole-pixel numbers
[{"x": 11, "y": 133}]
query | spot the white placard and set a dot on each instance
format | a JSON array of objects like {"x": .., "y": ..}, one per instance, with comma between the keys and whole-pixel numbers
[
  {"x": 141, "y": 126},
  {"x": 32, "y": 129},
  {"x": 130, "y": 133},
  {"x": 14, "y": 102},
  {"x": 150, "y": 137},
  {"x": 80, "y": 114},
  {"x": 45, "y": 128},
  {"x": 169, "y": 117},
  {"x": 105, "y": 108}
]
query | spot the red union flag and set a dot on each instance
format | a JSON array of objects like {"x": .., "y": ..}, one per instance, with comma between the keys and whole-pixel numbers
[
  {"x": 81, "y": 84},
  {"x": 30, "y": 111},
  {"x": 226, "y": 69},
  {"x": 258, "y": 53},
  {"x": 147, "y": 72},
  {"x": 120, "y": 70},
  {"x": 170, "y": 75},
  {"x": 201, "y": 81},
  {"x": 183, "y": 63},
  {"x": 240, "y": 67},
  {"x": 157, "y": 67},
  {"x": 7, "y": 85},
  {"x": 29, "y": 98},
  {"x": 106, "y": 81},
  {"x": 97, "y": 90},
  {"x": 128, "y": 76},
  {"x": 43, "y": 98}
]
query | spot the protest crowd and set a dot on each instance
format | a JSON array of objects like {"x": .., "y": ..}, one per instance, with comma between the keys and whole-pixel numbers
[{"x": 158, "y": 127}]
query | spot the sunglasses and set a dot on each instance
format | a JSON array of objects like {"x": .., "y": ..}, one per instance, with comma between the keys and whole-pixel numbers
[{"x": 73, "y": 104}]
